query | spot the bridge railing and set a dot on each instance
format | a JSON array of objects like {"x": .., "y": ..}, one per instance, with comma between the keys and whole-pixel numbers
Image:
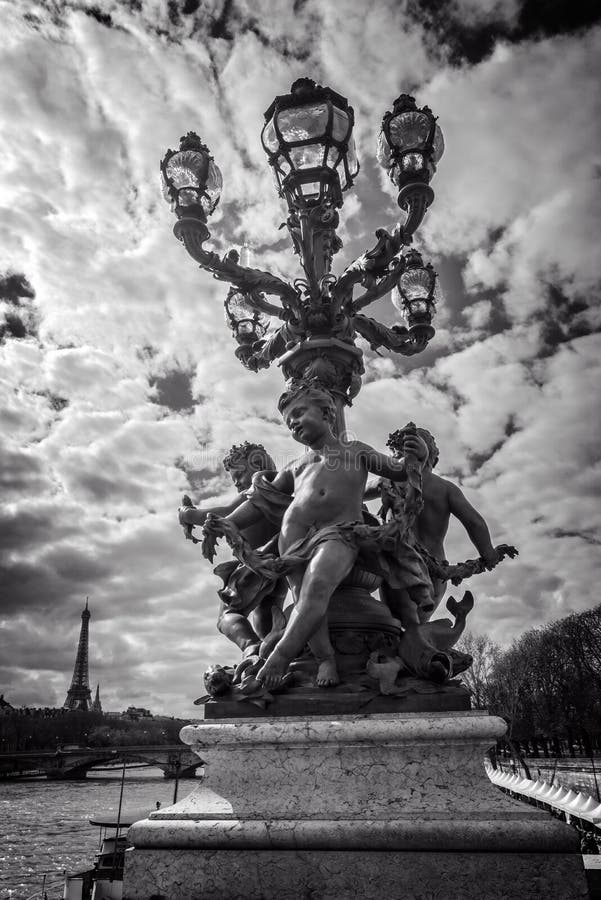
[{"x": 567, "y": 802}]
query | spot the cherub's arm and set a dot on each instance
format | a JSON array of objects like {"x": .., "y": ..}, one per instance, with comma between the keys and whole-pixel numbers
[
  {"x": 245, "y": 515},
  {"x": 248, "y": 514},
  {"x": 192, "y": 515},
  {"x": 474, "y": 524},
  {"x": 388, "y": 466}
]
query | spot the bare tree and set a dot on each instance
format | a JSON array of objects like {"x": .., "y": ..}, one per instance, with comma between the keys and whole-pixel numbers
[{"x": 485, "y": 654}]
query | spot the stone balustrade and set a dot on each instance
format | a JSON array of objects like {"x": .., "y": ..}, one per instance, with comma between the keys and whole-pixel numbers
[{"x": 572, "y": 804}]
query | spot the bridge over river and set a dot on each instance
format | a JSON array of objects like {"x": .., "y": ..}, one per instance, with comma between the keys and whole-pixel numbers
[{"x": 175, "y": 761}]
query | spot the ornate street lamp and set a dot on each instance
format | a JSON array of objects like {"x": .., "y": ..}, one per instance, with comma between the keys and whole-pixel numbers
[
  {"x": 308, "y": 138},
  {"x": 416, "y": 295},
  {"x": 409, "y": 147}
]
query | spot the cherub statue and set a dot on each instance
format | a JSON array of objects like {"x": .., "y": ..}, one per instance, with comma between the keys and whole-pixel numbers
[
  {"x": 245, "y": 612},
  {"x": 322, "y": 528},
  {"x": 440, "y": 499}
]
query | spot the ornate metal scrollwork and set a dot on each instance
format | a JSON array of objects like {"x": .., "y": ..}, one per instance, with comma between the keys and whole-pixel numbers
[
  {"x": 319, "y": 309},
  {"x": 377, "y": 270},
  {"x": 337, "y": 365},
  {"x": 313, "y": 233},
  {"x": 193, "y": 233}
]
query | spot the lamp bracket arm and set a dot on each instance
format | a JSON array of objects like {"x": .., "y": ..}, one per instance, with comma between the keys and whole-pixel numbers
[
  {"x": 380, "y": 287},
  {"x": 372, "y": 265},
  {"x": 398, "y": 338},
  {"x": 254, "y": 283},
  {"x": 193, "y": 233},
  {"x": 258, "y": 301}
]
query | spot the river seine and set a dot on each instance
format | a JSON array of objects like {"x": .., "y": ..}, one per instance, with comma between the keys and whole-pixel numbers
[{"x": 45, "y": 829}]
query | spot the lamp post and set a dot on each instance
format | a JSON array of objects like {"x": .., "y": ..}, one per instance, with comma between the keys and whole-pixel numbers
[{"x": 308, "y": 139}]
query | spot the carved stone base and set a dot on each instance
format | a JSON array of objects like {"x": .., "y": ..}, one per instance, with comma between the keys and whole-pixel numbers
[
  {"x": 355, "y": 875},
  {"x": 358, "y": 806}
]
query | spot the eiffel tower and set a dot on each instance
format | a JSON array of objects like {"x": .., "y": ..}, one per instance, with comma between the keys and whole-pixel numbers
[{"x": 79, "y": 695}]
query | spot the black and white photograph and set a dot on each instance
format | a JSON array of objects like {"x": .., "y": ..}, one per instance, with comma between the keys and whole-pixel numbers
[{"x": 300, "y": 450}]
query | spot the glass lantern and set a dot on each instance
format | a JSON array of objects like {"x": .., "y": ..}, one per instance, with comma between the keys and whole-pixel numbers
[
  {"x": 410, "y": 143},
  {"x": 416, "y": 296},
  {"x": 308, "y": 139},
  {"x": 248, "y": 324},
  {"x": 191, "y": 181}
]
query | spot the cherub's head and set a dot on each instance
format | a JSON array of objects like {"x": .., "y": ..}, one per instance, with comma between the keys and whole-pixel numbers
[
  {"x": 395, "y": 442},
  {"x": 308, "y": 410},
  {"x": 243, "y": 461}
]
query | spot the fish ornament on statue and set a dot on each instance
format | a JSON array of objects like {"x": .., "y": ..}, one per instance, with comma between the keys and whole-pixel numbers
[
  {"x": 217, "y": 681},
  {"x": 241, "y": 683}
]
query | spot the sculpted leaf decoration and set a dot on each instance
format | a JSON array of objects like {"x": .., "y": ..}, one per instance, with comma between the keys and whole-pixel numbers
[
  {"x": 314, "y": 237},
  {"x": 253, "y": 282}
]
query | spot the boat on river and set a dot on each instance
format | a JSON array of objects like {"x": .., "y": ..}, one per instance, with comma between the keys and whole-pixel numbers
[{"x": 105, "y": 880}]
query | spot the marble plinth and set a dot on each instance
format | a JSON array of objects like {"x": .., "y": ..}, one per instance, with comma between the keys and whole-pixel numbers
[{"x": 358, "y": 806}]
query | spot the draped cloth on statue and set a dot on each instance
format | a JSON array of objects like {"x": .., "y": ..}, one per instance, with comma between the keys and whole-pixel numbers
[
  {"x": 381, "y": 550},
  {"x": 243, "y": 588}
]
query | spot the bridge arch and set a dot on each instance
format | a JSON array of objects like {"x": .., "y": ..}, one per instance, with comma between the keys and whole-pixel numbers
[{"x": 175, "y": 761}]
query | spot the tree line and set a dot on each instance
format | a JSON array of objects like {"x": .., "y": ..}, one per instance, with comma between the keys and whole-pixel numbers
[
  {"x": 49, "y": 729},
  {"x": 546, "y": 685}
]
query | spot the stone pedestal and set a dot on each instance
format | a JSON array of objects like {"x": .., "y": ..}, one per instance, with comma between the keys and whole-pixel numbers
[{"x": 383, "y": 806}]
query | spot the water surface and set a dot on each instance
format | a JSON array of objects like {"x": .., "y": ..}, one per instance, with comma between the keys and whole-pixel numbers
[{"x": 45, "y": 829}]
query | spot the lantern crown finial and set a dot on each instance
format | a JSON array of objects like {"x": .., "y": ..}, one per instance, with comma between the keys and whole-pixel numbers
[
  {"x": 304, "y": 86},
  {"x": 403, "y": 103},
  {"x": 413, "y": 258},
  {"x": 191, "y": 141}
]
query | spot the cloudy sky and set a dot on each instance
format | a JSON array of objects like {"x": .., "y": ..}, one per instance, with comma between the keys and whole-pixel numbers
[{"x": 119, "y": 386}]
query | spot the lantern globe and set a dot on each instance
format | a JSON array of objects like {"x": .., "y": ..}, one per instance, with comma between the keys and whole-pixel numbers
[
  {"x": 191, "y": 180},
  {"x": 410, "y": 143},
  {"x": 247, "y": 323},
  {"x": 417, "y": 294},
  {"x": 308, "y": 139}
]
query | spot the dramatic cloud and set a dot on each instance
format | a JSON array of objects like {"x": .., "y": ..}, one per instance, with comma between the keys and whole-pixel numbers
[{"x": 119, "y": 390}]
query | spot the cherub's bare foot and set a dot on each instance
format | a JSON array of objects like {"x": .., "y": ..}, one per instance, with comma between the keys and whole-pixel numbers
[
  {"x": 327, "y": 674},
  {"x": 460, "y": 608},
  {"x": 273, "y": 671}
]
